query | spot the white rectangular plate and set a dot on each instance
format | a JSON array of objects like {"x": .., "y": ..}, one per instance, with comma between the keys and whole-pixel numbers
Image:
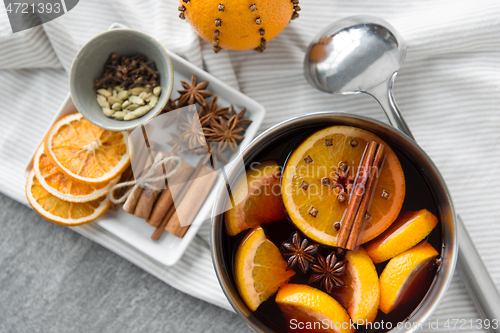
[{"x": 136, "y": 232}]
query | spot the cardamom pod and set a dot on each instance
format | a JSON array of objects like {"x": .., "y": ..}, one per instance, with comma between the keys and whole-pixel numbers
[
  {"x": 119, "y": 115},
  {"x": 103, "y": 102},
  {"x": 104, "y": 92},
  {"x": 117, "y": 106},
  {"x": 157, "y": 91},
  {"x": 136, "y": 100}
]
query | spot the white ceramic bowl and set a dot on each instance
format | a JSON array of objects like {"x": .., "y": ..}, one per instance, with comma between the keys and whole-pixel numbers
[{"x": 89, "y": 65}]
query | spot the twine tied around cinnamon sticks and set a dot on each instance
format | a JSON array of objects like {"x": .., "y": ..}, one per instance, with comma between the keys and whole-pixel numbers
[{"x": 149, "y": 180}]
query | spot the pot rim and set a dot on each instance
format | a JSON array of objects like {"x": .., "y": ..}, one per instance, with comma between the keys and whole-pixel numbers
[{"x": 413, "y": 152}]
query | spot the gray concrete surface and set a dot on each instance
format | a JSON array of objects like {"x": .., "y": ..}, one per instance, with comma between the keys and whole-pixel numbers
[{"x": 54, "y": 280}]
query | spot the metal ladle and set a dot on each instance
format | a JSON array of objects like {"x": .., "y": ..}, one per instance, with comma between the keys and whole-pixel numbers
[{"x": 362, "y": 54}]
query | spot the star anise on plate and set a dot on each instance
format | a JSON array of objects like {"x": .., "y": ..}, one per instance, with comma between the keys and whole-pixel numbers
[
  {"x": 328, "y": 271},
  {"x": 176, "y": 143},
  {"x": 192, "y": 132},
  {"x": 171, "y": 105},
  {"x": 217, "y": 157},
  {"x": 225, "y": 131},
  {"x": 193, "y": 93},
  {"x": 173, "y": 117},
  {"x": 241, "y": 121},
  {"x": 211, "y": 112},
  {"x": 300, "y": 252}
]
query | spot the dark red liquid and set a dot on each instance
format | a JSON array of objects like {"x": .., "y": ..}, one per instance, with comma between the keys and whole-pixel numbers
[{"x": 418, "y": 196}]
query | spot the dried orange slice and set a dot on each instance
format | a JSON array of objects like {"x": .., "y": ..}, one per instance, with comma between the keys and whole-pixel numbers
[
  {"x": 407, "y": 231},
  {"x": 311, "y": 187},
  {"x": 398, "y": 276},
  {"x": 86, "y": 152},
  {"x": 256, "y": 189},
  {"x": 259, "y": 268},
  {"x": 312, "y": 310},
  {"x": 60, "y": 211},
  {"x": 63, "y": 187}
]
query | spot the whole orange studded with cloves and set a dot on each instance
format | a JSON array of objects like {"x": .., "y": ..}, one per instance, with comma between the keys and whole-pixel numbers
[{"x": 238, "y": 24}]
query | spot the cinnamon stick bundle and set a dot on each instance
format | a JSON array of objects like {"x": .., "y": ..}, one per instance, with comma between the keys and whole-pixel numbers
[
  {"x": 353, "y": 240},
  {"x": 161, "y": 227},
  {"x": 148, "y": 196},
  {"x": 357, "y": 194},
  {"x": 133, "y": 198},
  {"x": 137, "y": 162},
  {"x": 177, "y": 197},
  {"x": 165, "y": 201},
  {"x": 126, "y": 176},
  {"x": 189, "y": 187},
  {"x": 192, "y": 202}
]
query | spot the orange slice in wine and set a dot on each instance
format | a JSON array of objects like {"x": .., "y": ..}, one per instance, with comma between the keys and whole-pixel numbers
[
  {"x": 324, "y": 165},
  {"x": 398, "y": 276},
  {"x": 311, "y": 310},
  {"x": 363, "y": 306},
  {"x": 258, "y": 199},
  {"x": 259, "y": 268},
  {"x": 406, "y": 232}
]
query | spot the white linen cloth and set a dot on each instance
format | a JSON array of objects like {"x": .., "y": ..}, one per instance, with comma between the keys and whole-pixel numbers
[{"x": 448, "y": 90}]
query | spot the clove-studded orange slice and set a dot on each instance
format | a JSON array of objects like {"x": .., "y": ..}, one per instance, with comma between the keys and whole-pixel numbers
[
  {"x": 319, "y": 175},
  {"x": 86, "y": 152}
]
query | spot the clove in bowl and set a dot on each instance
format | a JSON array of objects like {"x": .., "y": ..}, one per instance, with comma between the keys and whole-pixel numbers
[{"x": 91, "y": 72}]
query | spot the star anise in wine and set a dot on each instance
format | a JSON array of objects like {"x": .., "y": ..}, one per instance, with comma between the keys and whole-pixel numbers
[
  {"x": 225, "y": 131},
  {"x": 328, "y": 271},
  {"x": 211, "y": 112},
  {"x": 193, "y": 93},
  {"x": 300, "y": 252},
  {"x": 241, "y": 121}
]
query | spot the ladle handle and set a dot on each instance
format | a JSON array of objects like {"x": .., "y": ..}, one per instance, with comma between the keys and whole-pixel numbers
[
  {"x": 471, "y": 268},
  {"x": 384, "y": 95},
  {"x": 477, "y": 280}
]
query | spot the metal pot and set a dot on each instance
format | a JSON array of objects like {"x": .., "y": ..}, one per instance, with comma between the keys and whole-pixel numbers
[{"x": 403, "y": 144}]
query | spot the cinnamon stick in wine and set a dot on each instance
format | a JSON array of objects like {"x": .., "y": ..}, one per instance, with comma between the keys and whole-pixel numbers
[
  {"x": 148, "y": 196},
  {"x": 356, "y": 194},
  {"x": 166, "y": 201},
  {"x": 352, "y": 242}
]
